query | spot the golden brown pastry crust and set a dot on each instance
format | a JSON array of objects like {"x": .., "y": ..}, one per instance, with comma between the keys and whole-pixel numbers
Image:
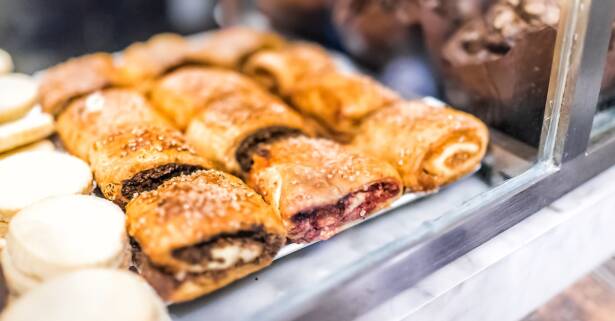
[
  {"x": 430, "y": 146},
  {"x": 298, "y": 174},
  {"x": 190, "y": 210},
  {"x": 183, "y": 93},
  {"x": 230, "y": 47},
  {"x": 90, "y": 118},
  {"x": 74, "y": 78},
  {"x": 143, "y": 61},
  {"x": 280, "y": 70},
  {"x": 341, "y": 101},
  {"x": 218, "y": 131},
  {"x": 122, "y": 155}
]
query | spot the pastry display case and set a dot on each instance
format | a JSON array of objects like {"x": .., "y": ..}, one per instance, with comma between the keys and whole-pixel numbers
[{"x": 343, "y": 149}]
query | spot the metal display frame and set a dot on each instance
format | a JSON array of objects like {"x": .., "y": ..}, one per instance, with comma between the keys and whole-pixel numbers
[{"x": 565, "y": 160}]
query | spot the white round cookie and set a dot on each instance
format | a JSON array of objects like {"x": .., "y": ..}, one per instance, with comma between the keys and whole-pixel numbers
[
  {"x": 6, "y": 63},
  {"x": 44, "y": 144},
  {"x": 34, "y": 126},
  {"x": 18, "y": 94},
  {"x": 91, "y": 294},
  {"x": 66, "y": 233},
  {"x": 17, "y": 282},
  {"x": 32, "y": 176}
]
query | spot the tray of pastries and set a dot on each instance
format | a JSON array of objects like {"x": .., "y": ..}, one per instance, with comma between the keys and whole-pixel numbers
[{"x": 194, "y": 162}]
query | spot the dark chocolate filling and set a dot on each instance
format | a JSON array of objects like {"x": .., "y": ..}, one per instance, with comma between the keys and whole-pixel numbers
[
  {"x": 166, "y": 282},
  {"x": 197, "y": 253},
  {"x": 150, "y": 179},
  {"x": 314, "y": 224},
  {"x": 249, "y": 146}
]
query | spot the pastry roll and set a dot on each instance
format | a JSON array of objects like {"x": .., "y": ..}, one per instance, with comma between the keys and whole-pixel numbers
[
  {"x": 90, "y": 118},
  {"x": 280, "y": 70},
  {"x": 183, "y": 93},
  {"x": 230, "y": 129},
  {"x": 340, "y": 101},
  {"x": 138, "y": 159},
  {"x": 429, "y": 145},
  {"x": 317, "y": 185},
  {"x": 74, "y": 78},
  {"x": 230, "y": 47},
  {"x": 200, "y": 232},
  {"x": 146, "y": 60}
]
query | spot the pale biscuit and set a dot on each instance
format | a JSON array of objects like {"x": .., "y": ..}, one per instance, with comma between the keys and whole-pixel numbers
[
  {"x": 65, "y": 233},
  {"x": 35, "y": 126},
  {"x": 41, "y": 145},
  {"x": 32, "y": 176},
  {"x": 17, "y": 282},
  {"x": 18, "y": 94},
  {"x": 6, "y": 63},
  {"x": 91, "y": 294}
]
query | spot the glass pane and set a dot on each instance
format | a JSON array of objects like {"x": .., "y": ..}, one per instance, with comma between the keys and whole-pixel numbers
[{"x": 604, "y": 120}]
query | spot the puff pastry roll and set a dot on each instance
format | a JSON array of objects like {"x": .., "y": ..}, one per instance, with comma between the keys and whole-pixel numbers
[
  {"x": 429, "y": 145},
  {"x": 231, "y": 47},
  {"x": 317, "y": 185},
  {"x": 280, "y": 70},
  {"x": 143, "y": 61},
  {"x": 230, "y": 129},
  {"x": 90, "y": 118},
  {"x": 183, "y": 93},
  {"x": 74, "y": 78},
  {"x": 138, "y": 159},
  {"x": 201, "y": 232},
  {"x": 341, "y": 101}
]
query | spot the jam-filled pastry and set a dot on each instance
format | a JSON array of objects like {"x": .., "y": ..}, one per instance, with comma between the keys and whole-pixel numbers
[
  {"x": 231, "y": 47},
  {"x": 200, "y": 232},
  {"x": 280, "y": 70},
  {"x": 429, "y": 145},
  {"x": 138, "y": 159},
  {"x": 74, "y": 78},
  {"x": 183, "y": 93},
  {"x": 90, "y": 118},
  {"x": 341, "y": 101},
  {"x": 231, "y": 129},
  {"x": 144, "y": 61},
  {"x": 317, "y": 186}
]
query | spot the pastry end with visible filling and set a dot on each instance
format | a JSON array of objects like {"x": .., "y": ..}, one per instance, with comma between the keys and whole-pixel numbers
[
  {"x": 213, "y": 263},
  {"x": 322, "y": 222},
  {"x": 148, "y": 180},
  {"x": 249, "y": 146}
]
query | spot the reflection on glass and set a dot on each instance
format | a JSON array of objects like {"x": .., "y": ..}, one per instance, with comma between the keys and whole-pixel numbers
[{"x": 604, "y": 121}]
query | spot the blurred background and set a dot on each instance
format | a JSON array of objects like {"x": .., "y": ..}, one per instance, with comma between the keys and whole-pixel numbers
[{"x": 41, "y": 33}]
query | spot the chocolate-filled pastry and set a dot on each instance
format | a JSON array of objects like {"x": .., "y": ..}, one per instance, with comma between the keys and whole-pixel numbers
[
  {"x": 74, "y": 78},
  {"x": 440, "y": 18},
  {"x": 370, "y": 29},
  {"x": 430, "y": 146},
  {"x": 133, "y": 160},
  {"x": 230, "y": 47},
  {"x": 90, "y": 118},
  {"x": 231, "y": 129},
  {"x": 340, "y": 101},
  {"x": 143, "y": 61},
  {"x": 498, "y": 66},
  {"x": 183, "y": 93},
  {"x": 308, "y": 18},
  {"x": 317, "y": 186},
  {"x": 280, "y": 70},
  {"x": 200, "y": 232}
]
